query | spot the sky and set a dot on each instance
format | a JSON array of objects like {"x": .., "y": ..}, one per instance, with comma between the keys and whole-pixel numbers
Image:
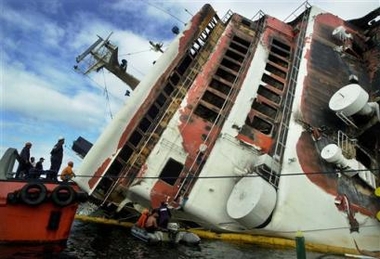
[{"x": 42, "y": 97}]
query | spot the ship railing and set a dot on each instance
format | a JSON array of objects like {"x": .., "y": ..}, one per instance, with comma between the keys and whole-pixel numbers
[
  {"x": 227, "y": 16},
  {"x": 196, "y": 166},
  {"x": 345, "y": 119},
  {"x": 304, "y": 6},
  {"x": 347, "y": 145},
  {"x": 268, "y": 174},
  {"x": 289, "y": 96},
  {"x": 260, "y": 14}
]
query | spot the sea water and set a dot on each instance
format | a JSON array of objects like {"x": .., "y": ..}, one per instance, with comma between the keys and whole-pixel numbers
[{"x": 92, "y": 241}]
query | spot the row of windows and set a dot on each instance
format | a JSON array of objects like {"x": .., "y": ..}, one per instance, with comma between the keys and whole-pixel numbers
[
  {"x": 223, "y": 80},
  {"x": 155, "y": 112},
  {"x": 269, "y": 95}
]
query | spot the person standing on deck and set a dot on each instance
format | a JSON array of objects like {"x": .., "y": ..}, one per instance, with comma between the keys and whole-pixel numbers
[
  {"x": 24, "y": 162},
  {"x": 57, "y": 155}
]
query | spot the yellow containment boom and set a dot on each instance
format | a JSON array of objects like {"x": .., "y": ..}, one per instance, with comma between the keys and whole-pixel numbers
[{"x": 264, "y": 241}]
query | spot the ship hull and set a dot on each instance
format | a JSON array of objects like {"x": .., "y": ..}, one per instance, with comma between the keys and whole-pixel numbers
[
  {"x": 235, "y": 129},
  {"x": 23, "y": 221}
]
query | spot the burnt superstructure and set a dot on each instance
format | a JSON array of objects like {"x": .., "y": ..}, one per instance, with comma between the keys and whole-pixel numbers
[{"x": 255, "y": 126}]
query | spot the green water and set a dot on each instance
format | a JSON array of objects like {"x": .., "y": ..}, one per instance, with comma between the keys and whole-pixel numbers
[{"x": 92, "y": 241}]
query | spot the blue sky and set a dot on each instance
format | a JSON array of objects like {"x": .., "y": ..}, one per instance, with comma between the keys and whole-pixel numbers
[{"x": 42, "y": 97}]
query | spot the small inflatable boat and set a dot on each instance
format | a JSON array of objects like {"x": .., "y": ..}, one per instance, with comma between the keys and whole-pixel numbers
[{"x": 172, "y": 235}]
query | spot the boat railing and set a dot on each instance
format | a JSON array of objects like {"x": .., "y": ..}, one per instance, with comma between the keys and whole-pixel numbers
[
  {"x": 346, "y": 119},
  {"x": 347, "y": 145},
  {"x": 305, "y": 5},
  {"x": 227, "y": 16}
]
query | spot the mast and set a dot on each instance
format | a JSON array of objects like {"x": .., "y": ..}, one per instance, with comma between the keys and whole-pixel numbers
[{"x": 103, "y": 54}]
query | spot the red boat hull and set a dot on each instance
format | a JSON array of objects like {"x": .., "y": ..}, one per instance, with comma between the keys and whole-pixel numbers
[{"x": 37, "y": 212}]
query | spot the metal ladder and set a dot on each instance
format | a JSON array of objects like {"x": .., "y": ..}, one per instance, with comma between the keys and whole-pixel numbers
[
  {"x": 191, "y": 176},
  {"x": 288, "y": 103}
]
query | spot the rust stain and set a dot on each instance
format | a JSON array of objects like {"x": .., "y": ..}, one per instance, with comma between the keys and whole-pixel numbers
[
  {"x": 98, "y": 174},
  {"x": 198, "y": 23},
  {"x": 194, "y": 132},
  {"x": 161, "y": 192},
  {"x": 305, "y": 151}
]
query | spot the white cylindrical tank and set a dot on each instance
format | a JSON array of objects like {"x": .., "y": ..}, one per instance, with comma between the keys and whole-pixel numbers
[
  {"x": 349, "y": 100},
  {"x": 251, "y": 201},
  {"x": 333, "y": 154}
]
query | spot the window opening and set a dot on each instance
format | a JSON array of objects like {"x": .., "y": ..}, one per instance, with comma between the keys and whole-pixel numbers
[
  {"x": 260, "y": 124},
  {"x": 269, "y": 94},
  {"x": 241, "y": 41},
  {"x": 238, "y": 48},
  {"x": 264, "y": 109},
  {"x": 171, "y": 171},
  {"x": 213, "y": 99},
  {"x": 221, "y": 87},
  {"x": 135, "y": 138},
  {"x": 275, "y": 70},
  {"x": 125, "y": 153},
  {"x": 225, "y": 75},
  {"x": 278, "y": 61},
  {"x": 205, "y": 113},
  {"x": 231, "y": 65},
  {"x": 273, "y": 82}
]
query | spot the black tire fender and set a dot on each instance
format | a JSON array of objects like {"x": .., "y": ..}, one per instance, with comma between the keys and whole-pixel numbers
[
  {"x": 63, "y": 195},
  {"x": 33, "y": 193}
]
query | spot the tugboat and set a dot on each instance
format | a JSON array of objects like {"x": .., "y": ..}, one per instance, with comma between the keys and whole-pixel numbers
[
  {"x": 255, "y": 126},
  {"x": 35, "y": 211}
]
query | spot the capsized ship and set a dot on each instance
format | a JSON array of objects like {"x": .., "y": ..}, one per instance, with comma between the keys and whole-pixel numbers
[{"x": 252, "y": 125}]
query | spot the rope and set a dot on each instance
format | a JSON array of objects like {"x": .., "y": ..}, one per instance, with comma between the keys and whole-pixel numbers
[
  {"x": 235, "y": 176},
  {"x": 107, "y": 96}
]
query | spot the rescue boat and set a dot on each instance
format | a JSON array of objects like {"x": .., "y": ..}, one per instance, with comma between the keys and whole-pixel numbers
[
  {"x": 255, "y": 126},
  {"x": 172, "y": 235},
  {"x": 35, "y": 211}
]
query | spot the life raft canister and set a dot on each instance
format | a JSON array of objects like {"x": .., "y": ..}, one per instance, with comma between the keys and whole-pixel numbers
[
  {"x": 33, "y": 193},
  {"x": 63, "y": 195}
]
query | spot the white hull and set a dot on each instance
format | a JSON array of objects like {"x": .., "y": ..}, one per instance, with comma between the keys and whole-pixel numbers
[{"x": 271, "y": 128}]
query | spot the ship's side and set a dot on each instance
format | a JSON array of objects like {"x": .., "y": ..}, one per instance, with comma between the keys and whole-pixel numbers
[{"x": 242, "y": 127}]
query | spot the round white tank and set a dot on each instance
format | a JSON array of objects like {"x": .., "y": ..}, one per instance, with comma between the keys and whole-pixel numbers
[
  {"x": 333, "y": 154},
  {"x": 251, "y": 201},
  {"x": 350, "y": 100}
]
